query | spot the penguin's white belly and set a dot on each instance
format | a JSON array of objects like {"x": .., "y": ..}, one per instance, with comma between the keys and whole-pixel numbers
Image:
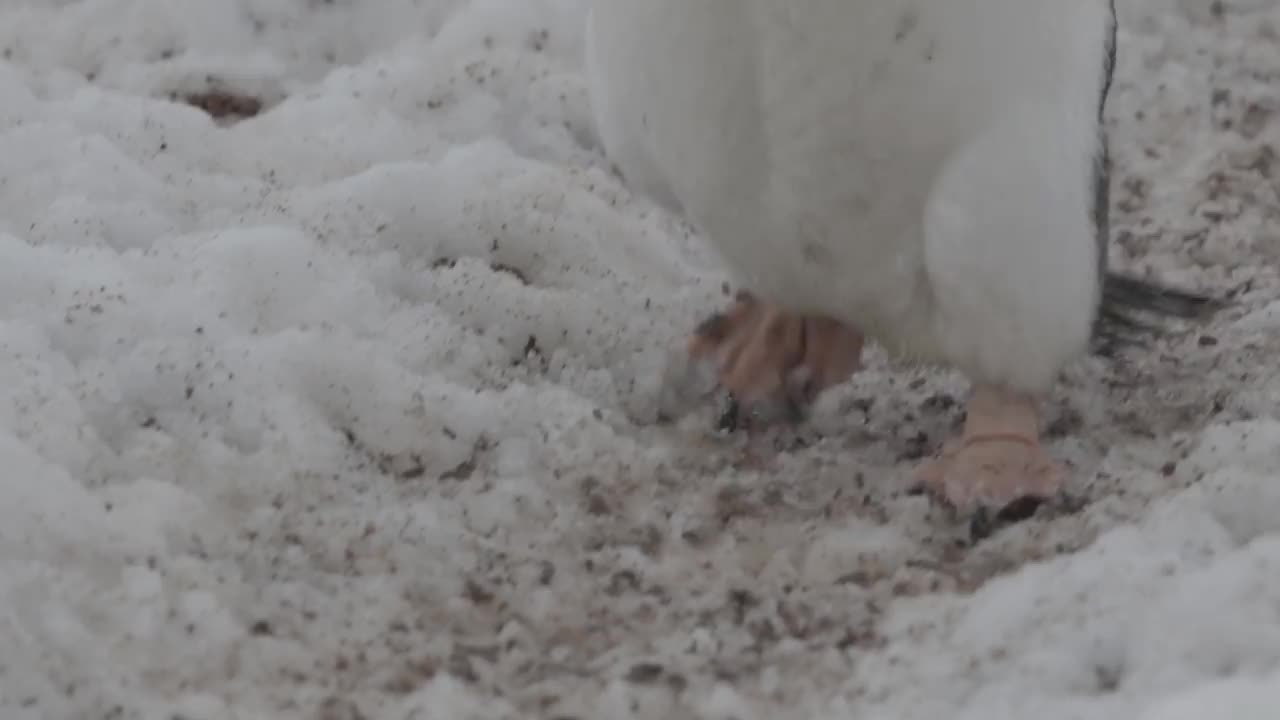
[{"x": 828, "y": 148}]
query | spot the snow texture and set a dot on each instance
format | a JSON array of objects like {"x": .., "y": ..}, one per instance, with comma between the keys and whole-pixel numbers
[{"x": 358, "y": 406}]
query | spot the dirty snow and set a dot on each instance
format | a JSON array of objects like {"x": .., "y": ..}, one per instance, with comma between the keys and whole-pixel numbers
[{"x": 354, "y": 408}]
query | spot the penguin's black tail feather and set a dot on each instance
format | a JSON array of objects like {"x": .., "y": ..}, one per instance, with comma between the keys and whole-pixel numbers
[{"x": 1135, "y": 310}]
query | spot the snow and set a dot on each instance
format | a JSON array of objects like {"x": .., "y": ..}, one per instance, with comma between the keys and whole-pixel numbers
[{"x": 357, "y": 408}]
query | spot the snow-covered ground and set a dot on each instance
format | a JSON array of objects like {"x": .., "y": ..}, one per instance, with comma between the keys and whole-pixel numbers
[{"x": 351, "y": 409}]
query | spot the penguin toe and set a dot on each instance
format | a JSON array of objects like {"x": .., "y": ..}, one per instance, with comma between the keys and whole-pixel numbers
[{"x": 994, "y": 482}]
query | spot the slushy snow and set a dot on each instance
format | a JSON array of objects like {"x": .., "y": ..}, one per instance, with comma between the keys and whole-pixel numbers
[{"x": 363, "y": 407}]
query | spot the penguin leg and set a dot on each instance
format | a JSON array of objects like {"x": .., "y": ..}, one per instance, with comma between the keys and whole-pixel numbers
[
  {"x": 997, "y": 460},
  {"x": 1014, "y": 274},
  {"x": 764, "y": 353}
]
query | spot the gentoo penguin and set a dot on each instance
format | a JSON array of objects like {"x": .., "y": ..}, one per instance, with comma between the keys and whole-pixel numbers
[{"x": 930, "y": 174}]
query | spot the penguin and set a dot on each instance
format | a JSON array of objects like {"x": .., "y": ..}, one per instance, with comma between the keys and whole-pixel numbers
[{"x": 933, "y": 175}]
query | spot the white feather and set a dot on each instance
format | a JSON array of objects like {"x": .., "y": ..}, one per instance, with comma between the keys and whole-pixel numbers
[{"x": 920, "y": 169}]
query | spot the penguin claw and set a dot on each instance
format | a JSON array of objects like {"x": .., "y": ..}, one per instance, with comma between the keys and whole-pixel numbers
[
  {"x": 986, "y": 521},
  {"x": 774, "y": 363},
  {"x": 987, "y": 517}
]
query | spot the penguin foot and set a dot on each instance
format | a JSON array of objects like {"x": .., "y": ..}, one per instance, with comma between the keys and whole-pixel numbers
[
  {"x": 996, "y": 468},
  {"x": 763, "y": 353}
]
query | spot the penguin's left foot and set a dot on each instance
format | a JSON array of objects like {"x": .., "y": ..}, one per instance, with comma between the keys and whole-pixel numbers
[
  {"x": 765, "y": 354},
  {"x": 996, "y": 471}
]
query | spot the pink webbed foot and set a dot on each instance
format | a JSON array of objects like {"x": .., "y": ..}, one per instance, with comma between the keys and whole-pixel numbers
[
  {"x": 765, "y": 354},
  {"x": 996, "y": 470}
]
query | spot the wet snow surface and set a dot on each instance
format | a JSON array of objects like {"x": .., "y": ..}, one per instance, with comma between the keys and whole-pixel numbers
[{"x": 345, "y": 404}]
